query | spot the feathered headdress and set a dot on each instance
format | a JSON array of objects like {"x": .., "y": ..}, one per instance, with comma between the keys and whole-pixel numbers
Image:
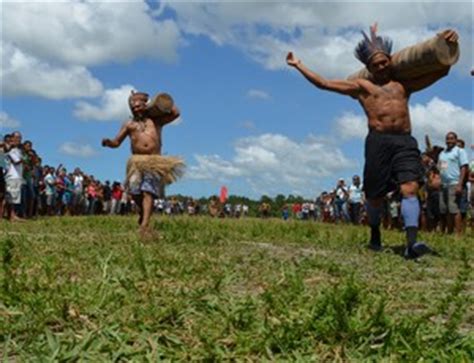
[{"x": 368, "y": 47}]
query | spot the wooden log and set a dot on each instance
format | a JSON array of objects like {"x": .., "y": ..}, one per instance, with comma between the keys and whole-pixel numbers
[
  {"x": 431, "y": 56},
  {"x": 160, "y": 105}
]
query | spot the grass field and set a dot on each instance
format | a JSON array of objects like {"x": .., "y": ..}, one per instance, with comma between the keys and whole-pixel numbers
[{"x": 86, "y": 289}]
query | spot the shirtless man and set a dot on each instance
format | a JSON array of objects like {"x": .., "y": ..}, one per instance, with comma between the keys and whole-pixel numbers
[
  {"x": 392, "y": 158},
  {"x": 145, "y": 139}
]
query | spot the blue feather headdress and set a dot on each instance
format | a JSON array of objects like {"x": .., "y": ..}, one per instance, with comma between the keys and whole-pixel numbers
[{"x": 368, "y": 47}]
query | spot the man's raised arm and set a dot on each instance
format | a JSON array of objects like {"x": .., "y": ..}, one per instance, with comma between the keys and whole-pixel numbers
[
  {"x": 170, "y": 117},
  {"x": 349, "y": 88},
  {"x": 123, "y": 133},
  {"x": 422, "y": 82}
]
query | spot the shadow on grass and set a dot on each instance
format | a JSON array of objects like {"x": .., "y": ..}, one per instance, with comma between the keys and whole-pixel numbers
[{"x": 400, "y": 251}]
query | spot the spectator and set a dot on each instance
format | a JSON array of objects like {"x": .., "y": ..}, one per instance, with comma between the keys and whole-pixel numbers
[
  {"x": 37, "y": 179},
  {"x": 430, "y": 193},
  {"x": 60, "y": 190},
  {"x": 312, "y": 210},
  {"x": 305, "y": 211},
  {"x": 107, "y": 197},
  {"x": 116, "y": 197},
  {"x": 91, "y": 196},
  {"x": 78, "y": 192},
  {"x": 124, "y": 203},
  {"x": 14, "y": 177},
  {"x": 3, "y": 167},
  {"x": 238, "y": 210},
  {"x": 355, "y": 199},
  {"x": 471, "y": 182},
  {"x": 27, "y": 190},
  {"x": 393, "y": 201},
  {"x": 296, "y": 209},
  {"x": 464, "y": 203},
  {"x": 452, "y": 164},
  {"x": 68, "y": 195},
  {"x": 50, "y": 190},
  {"x": 341, "y": 201},
  {"x": 285, "y": 213}
]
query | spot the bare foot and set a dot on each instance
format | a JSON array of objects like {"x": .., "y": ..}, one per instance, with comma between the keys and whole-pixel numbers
[
  {"x": 148, "y": 234},
  {"x": 145, "y": 233},
  {"x": 17, "y": 219}
]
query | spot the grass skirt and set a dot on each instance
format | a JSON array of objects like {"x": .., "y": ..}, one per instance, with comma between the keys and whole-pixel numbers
[{"x": 168, "y": 168}]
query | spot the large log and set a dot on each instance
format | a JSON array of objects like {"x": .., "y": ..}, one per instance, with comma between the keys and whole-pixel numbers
[
  {"x": 431, "y": 56},
  {"x": 160, "y": 105}
]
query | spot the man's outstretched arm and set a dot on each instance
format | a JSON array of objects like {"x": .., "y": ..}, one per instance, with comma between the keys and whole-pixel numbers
[
  {"x": 123, "y": 133},
  {"x": 349, "y": 88}
]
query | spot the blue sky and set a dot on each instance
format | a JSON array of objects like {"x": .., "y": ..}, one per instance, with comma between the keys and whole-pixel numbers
[{"x": 248, "y": 121}]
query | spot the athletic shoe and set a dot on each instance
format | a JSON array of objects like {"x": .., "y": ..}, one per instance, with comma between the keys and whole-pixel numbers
[
  {"x": 377, "y": 247},
  {"x": 417, "y": 250}
]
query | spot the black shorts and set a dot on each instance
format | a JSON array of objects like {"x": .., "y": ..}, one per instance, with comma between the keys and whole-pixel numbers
[{"x": 390, "y": 160}]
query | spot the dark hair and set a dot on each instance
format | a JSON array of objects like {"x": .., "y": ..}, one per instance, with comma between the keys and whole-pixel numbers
[
  {"x": 453, "y": 134},
  {"x": 134, "y": 94}
]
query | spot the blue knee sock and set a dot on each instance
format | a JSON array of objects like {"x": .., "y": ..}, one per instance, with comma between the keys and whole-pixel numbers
[
  {"x": 411, "y": 214},
  {"x": 410, "y": 211}
]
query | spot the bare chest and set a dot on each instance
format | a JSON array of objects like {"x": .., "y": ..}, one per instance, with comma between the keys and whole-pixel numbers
[
  {"x": 391, "y": 92},
  {"x": 144, "y": 129}
]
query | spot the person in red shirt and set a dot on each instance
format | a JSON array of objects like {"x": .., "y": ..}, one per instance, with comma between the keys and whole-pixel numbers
[{"x": 117, "y": 192}]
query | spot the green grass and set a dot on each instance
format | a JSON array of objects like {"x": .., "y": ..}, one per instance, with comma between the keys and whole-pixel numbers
[{"x": 86, "y": 289}]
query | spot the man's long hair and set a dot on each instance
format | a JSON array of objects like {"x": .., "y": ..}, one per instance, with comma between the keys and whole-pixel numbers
[{"x": 368, "y": 47}]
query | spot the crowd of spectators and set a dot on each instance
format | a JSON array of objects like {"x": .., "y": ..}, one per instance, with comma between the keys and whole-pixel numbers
[
  {"x": 29, "y": 189},
  {"x": 446, "y": 195}
]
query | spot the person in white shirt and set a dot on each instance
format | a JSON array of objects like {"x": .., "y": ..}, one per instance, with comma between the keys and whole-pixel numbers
[
  {"x": 355, "y": 199},
  {"x": 14, "y": 177},
  {"x": 341, "y": 201},
  {"x": 78, "y": 196}
]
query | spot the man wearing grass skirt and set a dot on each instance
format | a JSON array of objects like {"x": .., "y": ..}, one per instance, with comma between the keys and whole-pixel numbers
[
  {"x": 391, "y": 153},
  {"x": 147, "y": 168}
]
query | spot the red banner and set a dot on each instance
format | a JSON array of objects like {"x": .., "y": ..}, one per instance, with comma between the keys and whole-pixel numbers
[{"x": 223, "y": 195}]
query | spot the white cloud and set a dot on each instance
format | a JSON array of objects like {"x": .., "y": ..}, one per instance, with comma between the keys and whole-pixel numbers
[
  {"x": 349, "y": 125},
  {"x": 272, "y": 163},
  {"x": 258, "y": 94},
  {"x": 23, "y": 74},
  {"x": 323, "y": 34},
  {"x": 77, "y": 150},
  {"x": 47, "y": 46},
  {"x": 89, "y": 32},
  {"x": 8, "y": 122},
  {"x": 113, "y": 105},
  {"x": 436, "y": 119}
]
